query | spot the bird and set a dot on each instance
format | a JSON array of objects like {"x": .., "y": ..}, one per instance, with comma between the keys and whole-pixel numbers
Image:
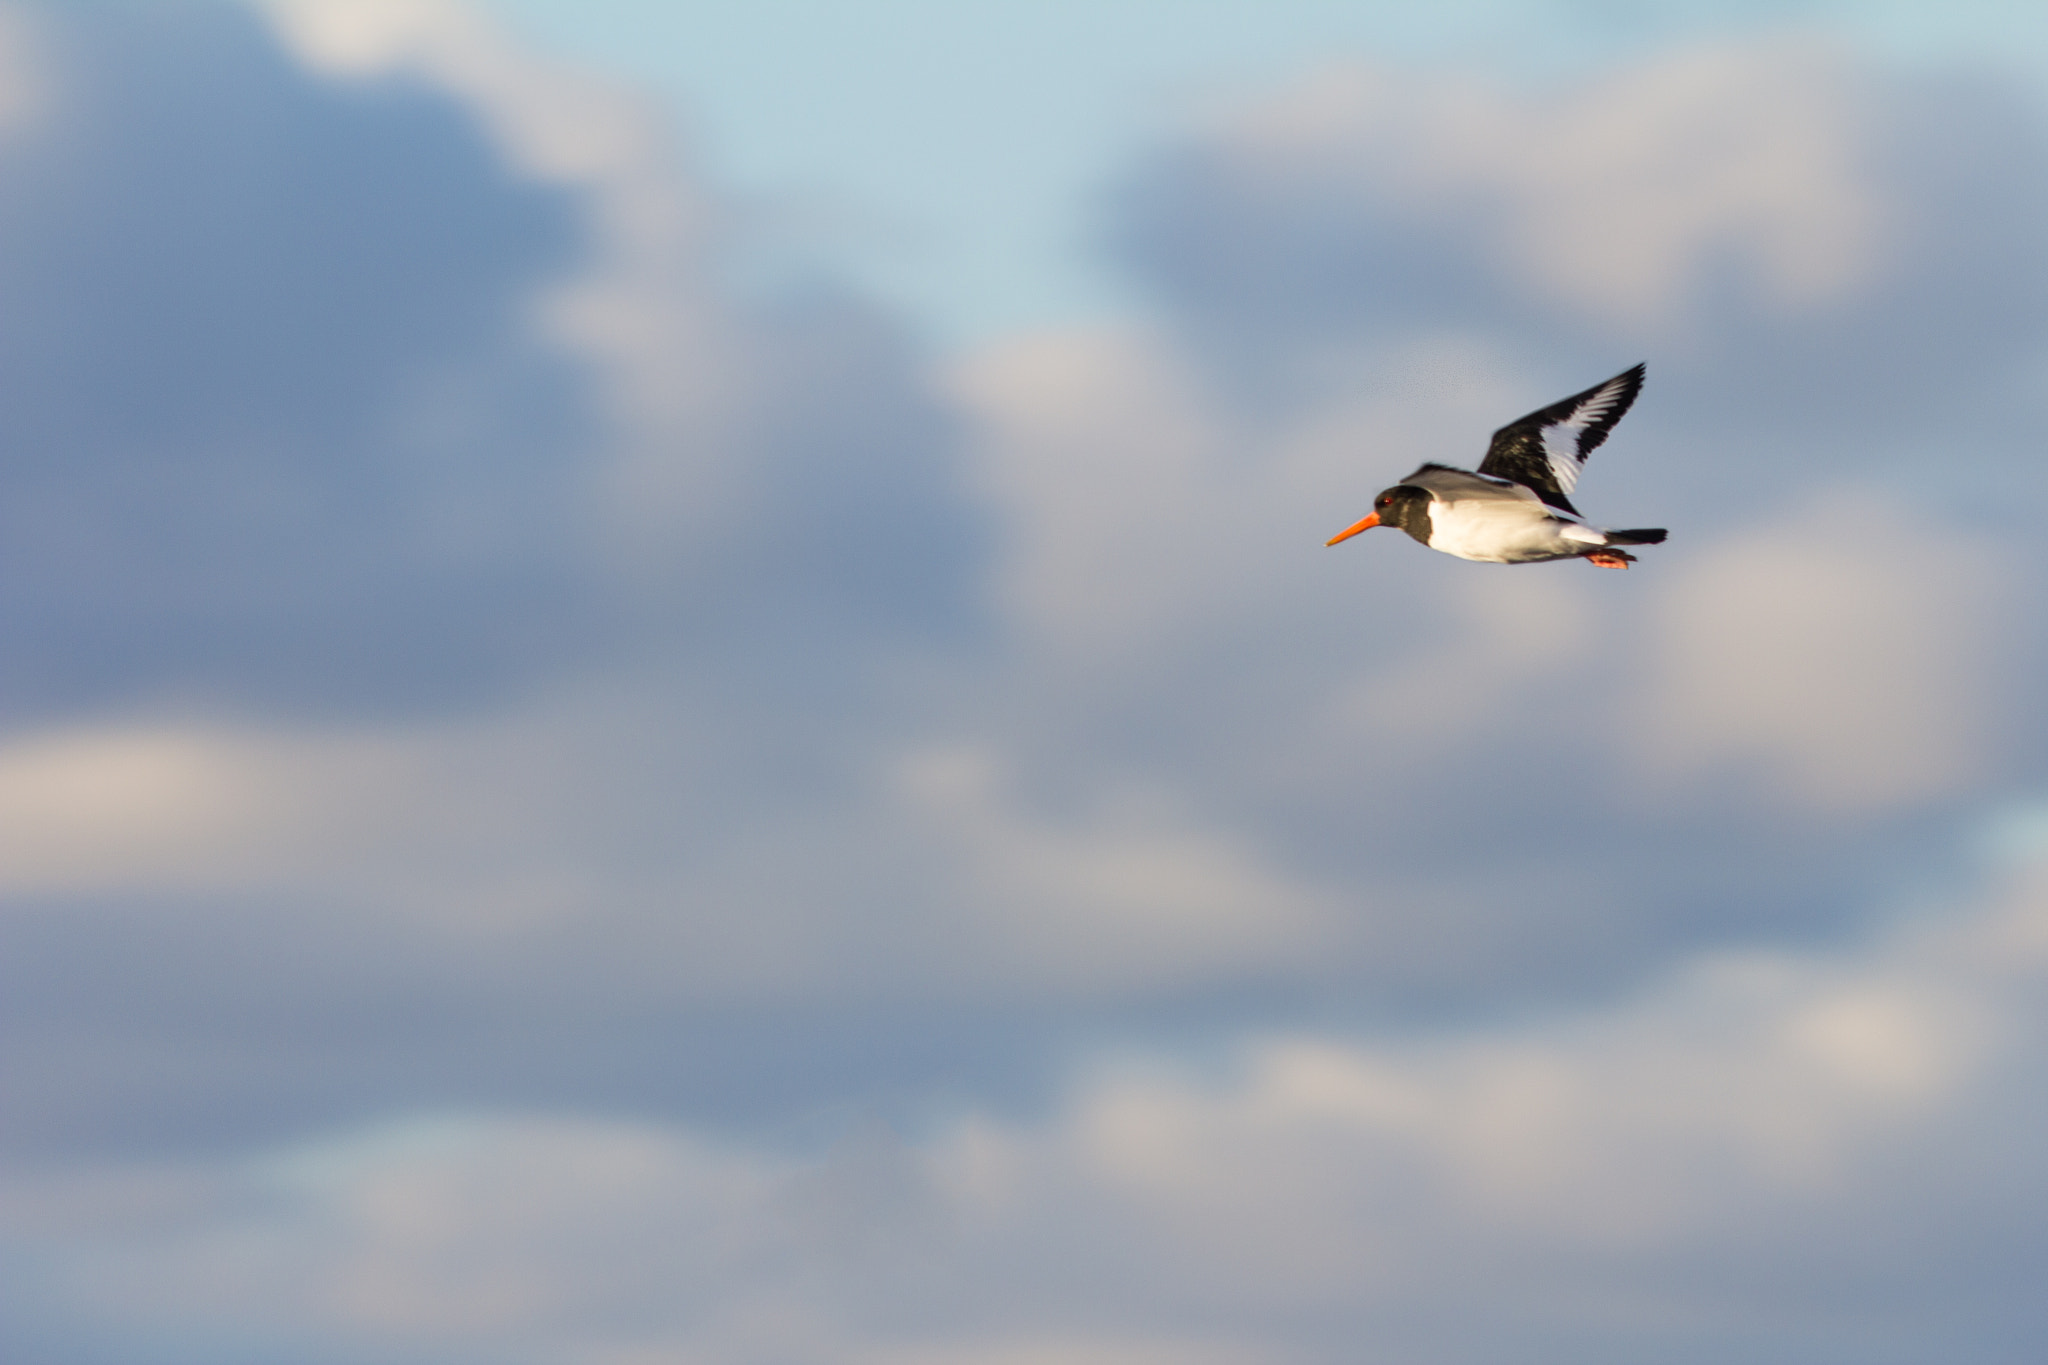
[{"x": 1516, "y": 509}]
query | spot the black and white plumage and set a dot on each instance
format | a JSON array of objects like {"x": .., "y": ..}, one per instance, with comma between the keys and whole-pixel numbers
[{"x": 1517, "y": 508}]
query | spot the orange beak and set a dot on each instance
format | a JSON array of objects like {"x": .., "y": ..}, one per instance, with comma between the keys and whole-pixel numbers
[{"x": 1351, "y": 531}]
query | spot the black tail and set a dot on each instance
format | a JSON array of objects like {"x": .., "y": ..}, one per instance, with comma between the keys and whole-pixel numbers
[{"x": 1650, "y": 536}]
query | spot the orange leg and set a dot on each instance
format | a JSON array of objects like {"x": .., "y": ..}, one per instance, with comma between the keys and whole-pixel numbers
[{"x": 1611, "y": 559}]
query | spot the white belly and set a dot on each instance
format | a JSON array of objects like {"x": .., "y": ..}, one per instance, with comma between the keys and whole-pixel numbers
[{"x": 1505, "y": 531}]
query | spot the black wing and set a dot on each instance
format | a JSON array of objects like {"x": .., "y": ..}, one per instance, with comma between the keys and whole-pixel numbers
[{"x": 1546, "y": 450}]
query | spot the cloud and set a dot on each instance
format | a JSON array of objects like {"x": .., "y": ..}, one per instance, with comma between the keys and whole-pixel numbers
[
  {"x": 665, "y": 350},
  {"x": 825, "y": 742},
  {"x": 521, "y": 735},
  {"x": 159, "y": 810},
  {"x": 1610, "y": 1181},
  {"x": 1611, "y": 201},
  {"x": 1851, "y": 648},
  {"x": 355, "y": 390},
  {"x": 723, "y": 423},
  {"x": 1845, "y": 249},
  {"x": 277, "y": 431},
  {"x": 1130, "y": 892}
]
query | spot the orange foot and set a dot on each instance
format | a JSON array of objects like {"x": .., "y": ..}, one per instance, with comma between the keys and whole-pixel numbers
[{"x": 1610, "y": 559}]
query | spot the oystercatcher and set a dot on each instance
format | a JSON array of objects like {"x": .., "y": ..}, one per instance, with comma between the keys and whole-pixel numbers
[{"x": 1515, "y": 510}]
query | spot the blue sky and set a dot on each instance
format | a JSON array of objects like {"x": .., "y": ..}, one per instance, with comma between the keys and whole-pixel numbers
[
  {"x": 640, "y": 724},
  {"x": 952, "y": 156}
]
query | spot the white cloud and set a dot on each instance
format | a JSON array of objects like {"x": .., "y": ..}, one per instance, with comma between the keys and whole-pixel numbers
[
  {"x": 1141, "y": 510},
  {"x": 1175, "y": 757},
  {"x": 1179, "y": 743},
  {"x": 129, "y": 808},
  {"x": 667, "y": 357},
  {"x": 522, "y": 835},
  {"x": 1115, "y": 483},
  {"x": 1455, "y": 1193},
  {"x": 1851, "y": 650},
  {"x": 1128, "y": 892},
  {"x": 1615, "y": 199},
  {"x": 23, "y": 91}
]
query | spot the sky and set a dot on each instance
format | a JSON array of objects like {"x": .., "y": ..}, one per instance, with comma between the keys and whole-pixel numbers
[
  {"x": 672, "y": 692},
  {"x": 950, "y": 156}
]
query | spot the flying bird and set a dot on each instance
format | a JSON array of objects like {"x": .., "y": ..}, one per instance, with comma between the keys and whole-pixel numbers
[{"x": 1517, "y": 508}]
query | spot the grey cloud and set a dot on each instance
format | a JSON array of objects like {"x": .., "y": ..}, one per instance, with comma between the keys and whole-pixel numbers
[
  {"x": 275, "y": 430},
  {"x": 903, "y": 750},
  {"x": 1832, "y": 266},
  {"x": 1434, "y": 747},
  {"x": 1202, "y": 778},
  {"x": 1852, "y": 303},
  {"x": 293, "y": 445},
  {"x": 1817, "y": 1153},
  {"x": 285, "y": 432}
]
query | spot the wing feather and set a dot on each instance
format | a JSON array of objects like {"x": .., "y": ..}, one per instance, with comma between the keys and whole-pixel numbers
[{"x": 1546, "y": 450}]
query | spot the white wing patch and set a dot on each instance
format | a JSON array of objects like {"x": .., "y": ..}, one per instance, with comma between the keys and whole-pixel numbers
[
  {"x": 1561, "y": 449},
  {"x": 1563, "y": 441}
]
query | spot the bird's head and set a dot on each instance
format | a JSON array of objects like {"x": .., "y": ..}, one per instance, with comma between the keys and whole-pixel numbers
[{"x": 1403, "y": 507}]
